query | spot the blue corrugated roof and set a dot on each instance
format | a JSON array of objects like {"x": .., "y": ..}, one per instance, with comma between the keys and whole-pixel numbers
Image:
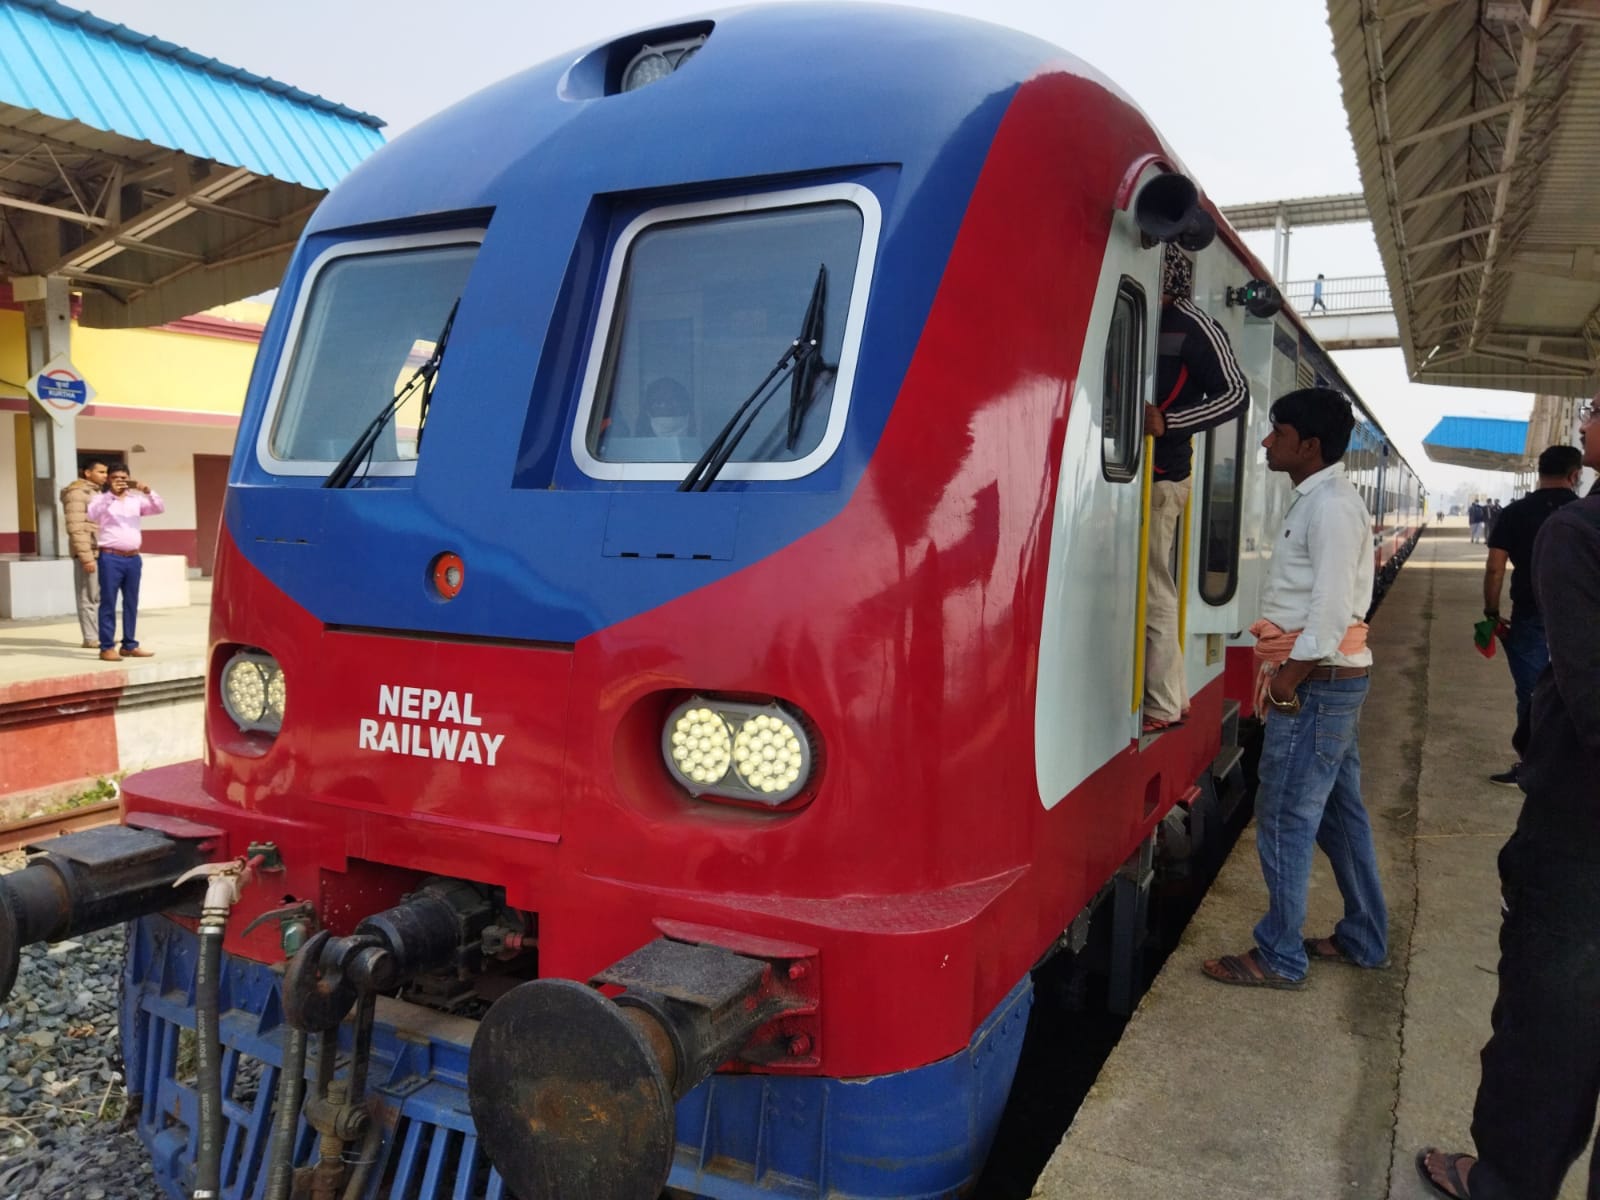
[
  {"x": 1494, "y": 434},
  {"x": 75, "y": 66}
]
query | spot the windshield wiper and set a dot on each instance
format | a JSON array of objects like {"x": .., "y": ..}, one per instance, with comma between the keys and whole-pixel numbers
[
  {"x": 422, "y": 378},
  {"x": 803, "y": 382},
  {"x": 716, "y": 456}
]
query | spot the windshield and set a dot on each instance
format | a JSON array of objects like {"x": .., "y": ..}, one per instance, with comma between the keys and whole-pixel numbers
[
  {"x": 703, "y": 309},
  {"x": 371, "y": 319}
]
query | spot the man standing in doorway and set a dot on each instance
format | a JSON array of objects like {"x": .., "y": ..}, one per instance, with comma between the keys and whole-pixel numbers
[
  {"x": 1511, "y": 538},
  {"x": 116, "y": 514},
  {"x": 1535, "y": 1108},
  {"x": 1312, "y": 675},
  {"x": 1201, "y": 386},
  {"x": 75, "y": 498}
]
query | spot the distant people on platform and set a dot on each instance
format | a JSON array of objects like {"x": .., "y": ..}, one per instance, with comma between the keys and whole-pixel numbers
[
  {"x": 1511, "y": 537},
  {"x": 1477, "y": 518},
  {"x": 1535, "y": 1109},
  {"x": 1199, "y": 385},
  {"x": 1312, "y": 667},
  {"x": 75, "y": 498},
  {"x": 1316, "y": 297},
  {"x": 116, "y": 514}
]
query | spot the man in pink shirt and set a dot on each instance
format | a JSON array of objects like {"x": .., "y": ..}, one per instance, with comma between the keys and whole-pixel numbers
[{"x": 116, "y": 515}]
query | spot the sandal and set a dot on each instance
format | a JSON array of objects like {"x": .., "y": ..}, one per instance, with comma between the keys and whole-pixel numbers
[
  {"x": 1455, "y": 1178},
  {"x": 1247, "y": 970},
  {"x": 1157, "y": 725},
  {"x": 1328, "y": 949}
]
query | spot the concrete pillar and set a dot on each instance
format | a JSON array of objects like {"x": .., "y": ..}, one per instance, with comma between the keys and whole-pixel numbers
[
  {"x": 1281, "y": 233},
  {"x": 48, "y": 318}
]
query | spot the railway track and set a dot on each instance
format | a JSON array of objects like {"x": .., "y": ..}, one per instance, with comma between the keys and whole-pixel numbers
[{"x": 16, "y": 834}]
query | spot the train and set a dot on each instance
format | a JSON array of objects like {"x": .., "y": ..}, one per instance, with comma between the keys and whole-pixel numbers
[{"x": 675, "y": 659}]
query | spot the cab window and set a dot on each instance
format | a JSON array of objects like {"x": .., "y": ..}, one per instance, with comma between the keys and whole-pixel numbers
[
  {"x": 702, "y": 308},
  {"x": 1121, "y": 413}
]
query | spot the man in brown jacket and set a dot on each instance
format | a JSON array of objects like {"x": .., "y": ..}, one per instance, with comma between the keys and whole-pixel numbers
[{"x": 75, "y": 499}]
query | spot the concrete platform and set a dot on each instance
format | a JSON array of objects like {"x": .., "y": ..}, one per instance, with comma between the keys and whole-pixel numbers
[
  {"x": 66, "y": 717},
  {"x": 1223, "y": 1093}
]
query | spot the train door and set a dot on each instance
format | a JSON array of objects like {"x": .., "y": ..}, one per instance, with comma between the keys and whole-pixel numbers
[
  {"x": 1088, "y": 695},
  {"x": 1212, "y": 613}
]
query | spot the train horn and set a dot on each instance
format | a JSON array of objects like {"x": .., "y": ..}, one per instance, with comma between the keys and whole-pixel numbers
[{"x": 1167, "y": 209}]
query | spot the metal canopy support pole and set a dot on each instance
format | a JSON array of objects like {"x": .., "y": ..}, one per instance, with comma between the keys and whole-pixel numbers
[
  {"x": 1281, "y": 232},
  {"x": 55, "y": 444}
]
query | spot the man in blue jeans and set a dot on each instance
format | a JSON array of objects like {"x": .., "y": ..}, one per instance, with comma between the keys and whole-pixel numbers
[
  {"x": 1560, "y": 468},
  {"x": 116, "y": 514},
  {"x": 1313, "y": 663}
]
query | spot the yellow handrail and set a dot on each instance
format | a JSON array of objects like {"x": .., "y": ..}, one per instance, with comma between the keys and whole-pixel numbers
[
  {"x": 1144, "y": 572},
  {"x": 1183, "y": 573}
]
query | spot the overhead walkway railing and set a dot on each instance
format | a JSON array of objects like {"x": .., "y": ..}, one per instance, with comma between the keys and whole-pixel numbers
[{"x": 1349, "y": 294}]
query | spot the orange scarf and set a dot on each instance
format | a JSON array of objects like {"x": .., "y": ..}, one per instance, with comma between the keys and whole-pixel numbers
[{"x": 1274, "y": 644}]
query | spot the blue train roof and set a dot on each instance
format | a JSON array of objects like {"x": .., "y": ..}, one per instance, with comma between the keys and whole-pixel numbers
[{"x": 797, "y": 87}]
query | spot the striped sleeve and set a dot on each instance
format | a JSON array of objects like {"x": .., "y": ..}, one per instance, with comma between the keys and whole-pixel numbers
[{"x": 1216, "y": 372}]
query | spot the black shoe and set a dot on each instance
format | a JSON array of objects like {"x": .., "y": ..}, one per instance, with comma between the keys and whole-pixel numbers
[{"x": 1508, "y": 777}]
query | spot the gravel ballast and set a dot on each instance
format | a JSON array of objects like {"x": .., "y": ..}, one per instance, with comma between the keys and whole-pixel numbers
[{"x": 62, "y": 1091}]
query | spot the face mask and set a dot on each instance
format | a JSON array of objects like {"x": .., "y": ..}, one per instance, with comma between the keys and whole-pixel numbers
[{"x": 669, "y": 426}]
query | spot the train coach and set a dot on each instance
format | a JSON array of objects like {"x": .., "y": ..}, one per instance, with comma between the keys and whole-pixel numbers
[{"x": 675, "y": 657}]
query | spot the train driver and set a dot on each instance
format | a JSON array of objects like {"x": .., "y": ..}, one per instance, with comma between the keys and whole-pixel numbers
[{"x": 1199, "y": 385}]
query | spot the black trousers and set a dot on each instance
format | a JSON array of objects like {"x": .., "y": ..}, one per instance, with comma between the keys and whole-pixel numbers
[{"x": 1541, "y": 1066}]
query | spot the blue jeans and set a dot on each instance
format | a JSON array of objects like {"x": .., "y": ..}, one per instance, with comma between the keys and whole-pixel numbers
[
  {"x": 1527, "y": 654},
  {"x": 119, "y": 576},
  {"x": 1310, "y": 795}
]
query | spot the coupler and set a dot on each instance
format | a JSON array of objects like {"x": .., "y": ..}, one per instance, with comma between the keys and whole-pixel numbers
[
  {"x": 85, "y": 881},
  {"x": 573, "y": 1092}
]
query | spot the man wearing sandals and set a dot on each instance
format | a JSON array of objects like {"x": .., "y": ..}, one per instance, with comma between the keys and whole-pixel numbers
[
  {"x": 1312, "y": 666},
  {"x": 1541, "y": 1067}
]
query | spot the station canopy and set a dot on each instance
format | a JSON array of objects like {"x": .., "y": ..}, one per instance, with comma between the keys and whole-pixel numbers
[
  {"x": 1482, "y": 443},
  {"x": 158, "y": 181},
  {"x": 1476, "y": 126}
]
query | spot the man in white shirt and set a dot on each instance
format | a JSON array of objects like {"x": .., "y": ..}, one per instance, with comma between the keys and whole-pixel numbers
[{"x": 1313, "y": 664}]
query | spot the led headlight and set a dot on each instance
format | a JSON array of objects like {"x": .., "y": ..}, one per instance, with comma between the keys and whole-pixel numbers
[
  {"x": 253, "y": 691},
  {"x": 740, "y": 751},
  {"x": 657, "y": 62}
]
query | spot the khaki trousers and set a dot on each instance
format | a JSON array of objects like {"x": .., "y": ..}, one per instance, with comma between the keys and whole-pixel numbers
[
  {"x": 87, "y": 586},
  {"x": 1166, "y": 694}
]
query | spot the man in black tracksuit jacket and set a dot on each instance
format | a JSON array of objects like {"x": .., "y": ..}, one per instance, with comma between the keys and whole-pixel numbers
[{"x": 1199, "y": 386}]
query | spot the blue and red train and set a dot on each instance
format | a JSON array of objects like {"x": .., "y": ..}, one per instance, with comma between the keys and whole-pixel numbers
[{"x": 674, "y": 666}]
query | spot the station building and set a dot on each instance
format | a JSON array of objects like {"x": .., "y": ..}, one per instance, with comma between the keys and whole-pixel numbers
[
  {"x": 167, "y": 403},
  {"x": 147, "y": 191}
]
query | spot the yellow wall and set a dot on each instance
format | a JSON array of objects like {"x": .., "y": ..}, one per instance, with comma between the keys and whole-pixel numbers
[
  {"x": 13, "y": 354},
  {"x": 156, "y": 368}
]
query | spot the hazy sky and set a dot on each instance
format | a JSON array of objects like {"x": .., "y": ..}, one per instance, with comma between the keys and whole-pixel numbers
[{"x": 1246, "y": 91}]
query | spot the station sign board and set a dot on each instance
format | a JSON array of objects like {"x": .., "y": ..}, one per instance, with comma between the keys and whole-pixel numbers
[{"x": 60, "y": 389}]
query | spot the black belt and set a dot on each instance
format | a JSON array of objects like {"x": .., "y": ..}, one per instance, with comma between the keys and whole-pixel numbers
[
  {"x": 1330, "y": 673},
  {"x": 119, "y": 553}
]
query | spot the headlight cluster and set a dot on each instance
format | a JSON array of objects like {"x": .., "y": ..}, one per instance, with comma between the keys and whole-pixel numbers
[
  {"x": 253, "y": 691},
  {"x": 742, "y": 751}
]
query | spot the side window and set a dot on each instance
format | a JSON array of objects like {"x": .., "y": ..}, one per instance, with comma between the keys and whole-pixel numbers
[
  {"x": 1220, "y": 511},
  {"x": 1121, "y": 413}
]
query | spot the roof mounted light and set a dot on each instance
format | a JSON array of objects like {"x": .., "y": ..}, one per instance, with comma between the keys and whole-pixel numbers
[{"x": 657, "y": 62}]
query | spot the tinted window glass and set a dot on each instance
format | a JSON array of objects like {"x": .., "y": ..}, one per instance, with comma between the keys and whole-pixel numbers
[
  {"x": 371, "y": 321},
  {"x": 1121, "y": 414},
  {"x": 705, "y": 309},
  {"x": 1219, "y": 517}
]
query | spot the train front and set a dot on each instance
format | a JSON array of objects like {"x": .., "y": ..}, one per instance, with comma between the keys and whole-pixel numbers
[{"x": 618, "y": 765}]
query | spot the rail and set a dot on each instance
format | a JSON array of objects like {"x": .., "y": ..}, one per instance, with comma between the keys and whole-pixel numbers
[{"x": 14, "y": 835}]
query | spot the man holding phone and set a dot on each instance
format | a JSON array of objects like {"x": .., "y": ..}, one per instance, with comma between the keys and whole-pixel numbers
[{"x": 116, "y": 514}]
